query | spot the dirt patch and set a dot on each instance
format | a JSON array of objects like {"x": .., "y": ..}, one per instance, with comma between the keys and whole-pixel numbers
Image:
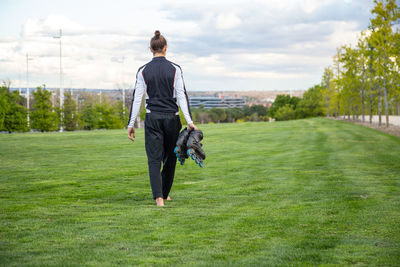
[{"x": 392, "y": 129}]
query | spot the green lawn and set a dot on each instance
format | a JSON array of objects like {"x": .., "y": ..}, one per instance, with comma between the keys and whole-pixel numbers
[{"x": 306, "y": 192}]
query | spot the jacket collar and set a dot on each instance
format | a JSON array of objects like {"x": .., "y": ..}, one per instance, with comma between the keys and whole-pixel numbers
[{"x": 158, "y": 58}]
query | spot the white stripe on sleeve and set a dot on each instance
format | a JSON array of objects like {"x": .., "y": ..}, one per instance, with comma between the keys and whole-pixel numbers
[
  {"x": 140, "y": 88},
  {"x": 181, "y": 95}
]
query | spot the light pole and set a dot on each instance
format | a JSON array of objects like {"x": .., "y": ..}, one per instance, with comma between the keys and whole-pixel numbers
[
  {"x": 61, "y": 88},
  {"x": 19, "y": 79},
  {"x": 122, "y": 61},
  {"x": 27, "y": 86}
]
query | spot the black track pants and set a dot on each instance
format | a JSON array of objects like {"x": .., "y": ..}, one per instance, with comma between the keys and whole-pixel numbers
[{"x": 161, "y": 133}]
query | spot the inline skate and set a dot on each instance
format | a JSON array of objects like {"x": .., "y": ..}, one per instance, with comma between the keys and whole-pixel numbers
[
  {"x": 194, "y": 147},
  {"x": 181, "y": 148}
]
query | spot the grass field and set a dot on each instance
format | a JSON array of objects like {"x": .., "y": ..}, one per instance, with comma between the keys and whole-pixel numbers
[{"x": 306, "y": 192}]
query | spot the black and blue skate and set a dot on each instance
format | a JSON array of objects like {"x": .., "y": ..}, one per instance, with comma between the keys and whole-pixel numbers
[
  {"x": 194, "y": 147},
  {"x": 180, "y": 149}
]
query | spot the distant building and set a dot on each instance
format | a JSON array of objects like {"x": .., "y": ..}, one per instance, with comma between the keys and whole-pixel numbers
[{"x": 216, "y": 102}]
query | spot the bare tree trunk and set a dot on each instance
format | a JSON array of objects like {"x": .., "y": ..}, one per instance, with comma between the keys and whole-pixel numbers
[
  {"x": 380, "y": 106},
  {"x": 357, "y": 113},
  {"x": 338, "y": 109},
  {"x": 370, "y": 108},
  {"x": 386, "y": 103},
  {"x": 327, "y": 106},
  {"x": 362, "y": 105}
]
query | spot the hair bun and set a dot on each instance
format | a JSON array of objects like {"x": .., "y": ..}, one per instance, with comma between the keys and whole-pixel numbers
[{"x": 158, "y": 42}]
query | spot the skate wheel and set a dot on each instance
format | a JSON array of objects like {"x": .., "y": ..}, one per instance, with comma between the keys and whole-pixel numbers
[
  {"x": 196, "y": 160},
  {"x": 192, "y": 156},
  {"x": 201, "y": 164},
  {"x": 188, "y": 152}
]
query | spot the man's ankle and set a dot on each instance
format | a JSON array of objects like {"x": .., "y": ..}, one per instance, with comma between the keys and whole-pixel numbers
[{"x": 160, "y": 201}]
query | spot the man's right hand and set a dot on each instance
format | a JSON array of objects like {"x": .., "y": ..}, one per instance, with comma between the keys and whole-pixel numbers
[
  {"x": 131, "y": 133},
  {"x": 194, "y": 127}
]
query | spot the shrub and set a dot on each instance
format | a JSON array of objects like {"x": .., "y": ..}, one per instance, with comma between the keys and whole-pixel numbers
[{"x": 285, "y": 113}]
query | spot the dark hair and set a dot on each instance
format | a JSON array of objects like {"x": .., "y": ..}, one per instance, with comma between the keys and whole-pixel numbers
[{"x": 158, "y": 42}]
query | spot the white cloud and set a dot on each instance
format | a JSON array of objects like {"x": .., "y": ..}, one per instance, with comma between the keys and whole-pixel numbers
[
  {"x": 49, "y": 26},
  {"x": 344, "y": 33},
  {"x": 310, "y": 6},
  {"x": 226, "y": 21}
]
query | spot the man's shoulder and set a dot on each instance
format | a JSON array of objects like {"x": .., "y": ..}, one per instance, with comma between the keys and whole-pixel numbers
[
  {"x": 175, "y": 65},
  {"x": 141, "y": 69}
]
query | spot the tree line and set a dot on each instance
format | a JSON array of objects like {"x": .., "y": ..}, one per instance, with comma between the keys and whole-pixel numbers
[
  {"x": 365, "y": 79},
  {"x": 285, "y": 107},
  {"x": 44, "y": 117},
  {"x": 108, "y": 114},
  {"x": 222, "y": 115}
]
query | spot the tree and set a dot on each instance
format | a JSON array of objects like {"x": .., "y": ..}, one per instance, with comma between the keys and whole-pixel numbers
[
  {"x": 237, "y": 113},
  {"x": 311, "y": 105},
  {"x": 371, "y": 76},
  {"x": 396, "y": 72},
  {"x": 122, "y": 114},
  {"x": 254, "y": 117},
  {"x": 281, "y": 101},
  {"x": 43, "y": 117},
  {"x": 246, "y": 111},
  {"x": 285, "y": 113},
  {"x": 70, "y": 116},
  {"x": 233, "y": 114},
  {"x": 16, "y": 116},
  {"x": 3, "y": 105},
  {"x": 362, "y": 64},
  {"x": 13, "y": 114},
  {"x": 217, "y": 114},
  {"x": 89, "y": 117},
  {"x": 203, "y": 117},
  {"x": 259, "y": 109},
  {"x": 350, "y": 80},
  {"x": 108, "y": 116},
  {"x": 338, "y": 81},
  {"x": 328, "y": 91}
]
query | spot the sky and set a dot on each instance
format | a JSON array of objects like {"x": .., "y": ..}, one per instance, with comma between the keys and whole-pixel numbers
[{"x": 220, "y": 45}]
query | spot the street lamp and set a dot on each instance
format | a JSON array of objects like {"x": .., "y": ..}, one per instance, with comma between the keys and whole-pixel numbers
[
  {"x": 27, "y": 85},
  {"x": 61, "y": 88}
]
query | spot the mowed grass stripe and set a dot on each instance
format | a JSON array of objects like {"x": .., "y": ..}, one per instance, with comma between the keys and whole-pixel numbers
[{"x": 314, "y": 191}]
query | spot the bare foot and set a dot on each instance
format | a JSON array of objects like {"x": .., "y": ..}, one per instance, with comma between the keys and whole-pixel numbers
[
  {"x": 160, "y": 202},
  {"x": 168, "y": 198}
]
